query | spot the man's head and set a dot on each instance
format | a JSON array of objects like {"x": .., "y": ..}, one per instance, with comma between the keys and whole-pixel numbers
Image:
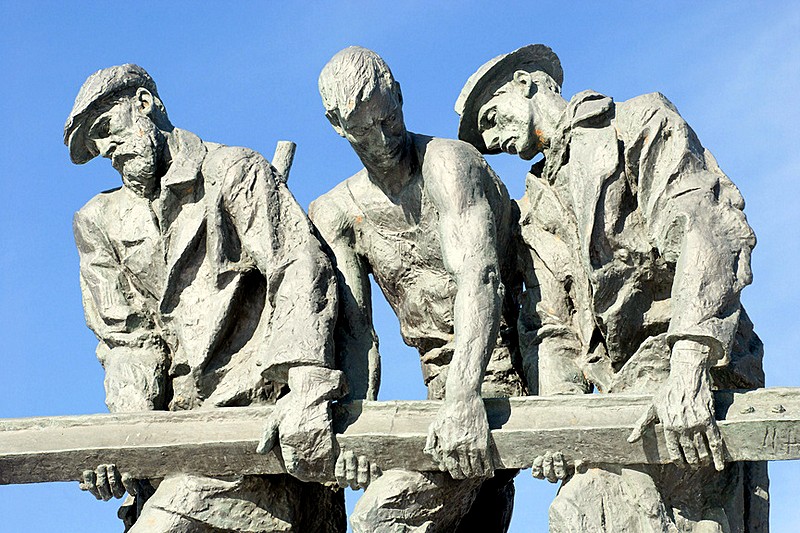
[
  {"x": 118, "y": 115},
  {"x": 364, "y": 104},
  {"x": 506, "y": 106}
]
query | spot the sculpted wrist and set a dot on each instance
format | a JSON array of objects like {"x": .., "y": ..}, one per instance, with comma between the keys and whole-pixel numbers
[
  {"x": 317, "y": 382},
  {"x": 461, "y": 395},
  {"x": 689, "y": 352}
]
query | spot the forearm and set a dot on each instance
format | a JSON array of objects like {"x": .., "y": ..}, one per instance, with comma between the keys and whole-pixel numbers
[
  {"x": 476, "y": 317},
  {"x": 705, "y": 293},
  {"x": 316, "y": 384},
  {"x": 559, "y": 372},
  {"x": 359, "y": 358},
  {"x": 135, "y": 378}
]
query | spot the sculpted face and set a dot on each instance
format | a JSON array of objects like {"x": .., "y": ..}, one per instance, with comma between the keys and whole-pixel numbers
[
  {"x": 375, "y": 129},
  {"x": 508, "y": 122},
  {"x": 128, "y": 137}
]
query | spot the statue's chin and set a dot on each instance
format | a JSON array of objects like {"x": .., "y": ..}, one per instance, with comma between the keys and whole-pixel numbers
[{"x": 142, "y": 181}]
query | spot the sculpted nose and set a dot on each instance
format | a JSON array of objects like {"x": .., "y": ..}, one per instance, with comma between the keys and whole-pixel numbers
[
  {"x": 382, "y": 135},
  {"x": 491, "y": 139},
  {"x": 106, "y": 147}
]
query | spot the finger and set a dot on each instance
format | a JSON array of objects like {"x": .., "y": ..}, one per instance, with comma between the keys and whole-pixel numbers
[
  {"x": 478, "y": 464},
  {"x": 581, "y": 466},
  {"x": 649, "y": 417},
  {"x": 452, "y": 466},
  {"x": 102, "y": 483},
  {"x": 432, "y": 448},
  {"x": 89, "y": 483},
  {"x": 716, "y": 446},
  {"x": 374, "y": 472},
  {"x": 559, "y": 465},
  {"x": 115, "y": 482},
  {"x": 351, "y": 469},
  {"x": 699, "y": 441},
  {"x": 536, "y": 469},
  {"x": 339, "y": 471},
  {"x": 466, "y": 464},
  {"x": 269, "y": 438},
  {"x": 549, "y": 470},
  {"x": 131, "y": 485},
  {"x": 673, "y": 447},
  {"x": 483, "y": 464},
  {"x": 363, "y": 472},
  {"x": 687, "y": 445}
]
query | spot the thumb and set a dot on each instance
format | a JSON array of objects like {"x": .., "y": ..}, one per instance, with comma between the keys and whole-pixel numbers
[
  {"x": 269, "y": 439},
  {"x": 431, "y": 442},
  {"x": 645, "y": 420}
]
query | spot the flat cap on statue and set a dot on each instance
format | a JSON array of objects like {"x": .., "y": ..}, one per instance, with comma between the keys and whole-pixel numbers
[
  {"x": 494, "y": 74},
  {"x": 97, "y": 87}
]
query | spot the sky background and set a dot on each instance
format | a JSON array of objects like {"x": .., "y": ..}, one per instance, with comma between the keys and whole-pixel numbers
[{"x": 246, "y": 74}]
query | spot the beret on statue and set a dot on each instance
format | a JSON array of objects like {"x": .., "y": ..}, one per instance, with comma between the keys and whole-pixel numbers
[
  {"x": 98, "y": 87},
  {"x": 490, "y": 77}
]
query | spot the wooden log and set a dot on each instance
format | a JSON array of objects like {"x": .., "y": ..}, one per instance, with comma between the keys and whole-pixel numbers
[
  {"x": 757, "y": 425},
  {"x": 283, "y": 158}
]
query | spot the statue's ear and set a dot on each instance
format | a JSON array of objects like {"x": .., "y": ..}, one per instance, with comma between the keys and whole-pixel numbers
[
  {"x": 143, "y": 101},
  {"x": 333, "y": 118},
  {"x": 524, "y": 81}
]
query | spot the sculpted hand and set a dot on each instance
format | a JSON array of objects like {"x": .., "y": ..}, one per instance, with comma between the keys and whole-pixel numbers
[
  {"x": 301, "y": 423},
  {"x": 354, "y": 471},
  {"x": 553, "y": 467},
  {"x": 105, "y": 482},
  {"x": 459, "y": 439},
  {"x": 685, "y": 407}
]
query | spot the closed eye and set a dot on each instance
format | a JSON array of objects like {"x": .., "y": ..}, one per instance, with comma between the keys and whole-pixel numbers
[
  {"x": 488, "y": 119},
  {"x": 100, "y": 129}
]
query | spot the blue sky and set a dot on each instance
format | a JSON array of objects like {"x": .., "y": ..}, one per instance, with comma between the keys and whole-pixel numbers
[{"x": 245, "y": 74}]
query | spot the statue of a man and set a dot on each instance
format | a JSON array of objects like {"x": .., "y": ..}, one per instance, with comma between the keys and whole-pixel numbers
[
  {"x": 636, "y": 250},
  {"x": 206, "y": 286},
  {"x": 432, "y": 223}
]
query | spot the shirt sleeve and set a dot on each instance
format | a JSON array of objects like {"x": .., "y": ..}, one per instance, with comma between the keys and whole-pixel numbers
[
  {"x": 301, "y": 285},
  {"x": 695, "y": 218},
  {"x": 132, "y": 353}
]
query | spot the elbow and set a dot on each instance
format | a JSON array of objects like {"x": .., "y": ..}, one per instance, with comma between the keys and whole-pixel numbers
[
  {"x": 491, "y": 278},
  {"x": 484, "y": 281}
]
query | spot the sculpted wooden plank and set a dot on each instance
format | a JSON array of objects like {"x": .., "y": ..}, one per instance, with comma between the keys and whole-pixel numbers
[{"x": 757, "y": 425}]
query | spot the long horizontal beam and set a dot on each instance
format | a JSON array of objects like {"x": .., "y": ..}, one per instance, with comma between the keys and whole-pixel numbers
[{"x": 757, "y": 425}]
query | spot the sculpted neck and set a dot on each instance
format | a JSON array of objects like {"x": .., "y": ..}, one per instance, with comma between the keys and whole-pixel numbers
[{"x": 392, "y": 175}]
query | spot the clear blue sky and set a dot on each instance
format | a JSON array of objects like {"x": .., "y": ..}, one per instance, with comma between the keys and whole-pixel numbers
[{"x": 247, "y": 75}]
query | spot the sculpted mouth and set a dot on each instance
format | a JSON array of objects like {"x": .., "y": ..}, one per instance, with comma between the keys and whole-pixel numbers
[{"x": 119, "y": 159}]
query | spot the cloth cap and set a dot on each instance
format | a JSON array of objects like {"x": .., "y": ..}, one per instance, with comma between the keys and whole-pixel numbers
[
  {"x": 97, "y": 87},
  {"x": 490, "y": 77}
]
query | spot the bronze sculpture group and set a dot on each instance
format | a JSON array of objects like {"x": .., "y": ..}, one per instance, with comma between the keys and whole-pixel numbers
[{"x": 620, "y": 270}]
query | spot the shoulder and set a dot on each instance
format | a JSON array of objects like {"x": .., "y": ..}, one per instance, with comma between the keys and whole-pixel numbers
[
  {"x": 221, "y": 159},
  {"x": 453, "y": 171},
  {"x": 100, "y": 207},
  {"x": 443, "y": 154},
  {"x": 653, "y": 100},
  {"x": 644, "y": 108},
  {"x": 334, "y": 210}
]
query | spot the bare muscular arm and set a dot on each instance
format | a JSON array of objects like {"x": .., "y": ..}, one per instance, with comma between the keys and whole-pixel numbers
[
  {"x": 456, "y": 177},
  {"x": 356, "y": 341}
]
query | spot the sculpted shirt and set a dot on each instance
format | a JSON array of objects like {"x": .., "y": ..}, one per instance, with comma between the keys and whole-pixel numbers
[
  {"x": 209, "y": 293},
  {"x": 633, "y": 238}
]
